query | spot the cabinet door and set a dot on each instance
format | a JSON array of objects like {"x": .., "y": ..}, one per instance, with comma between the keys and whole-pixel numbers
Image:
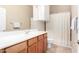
[
  {"x": 32, "y": 48},
  {"x": 40, "y": 46},
  {"x": 40, "y": 43}
]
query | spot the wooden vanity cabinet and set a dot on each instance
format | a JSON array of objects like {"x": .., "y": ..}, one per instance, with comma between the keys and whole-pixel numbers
[{"x": 36, "y": 44}]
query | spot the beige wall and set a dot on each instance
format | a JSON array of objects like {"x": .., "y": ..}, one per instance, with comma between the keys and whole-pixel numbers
[
  {"x": 74, "y": 10},
  {"x": 17, "y": 13},
  {"x": 59, "y": 8}
]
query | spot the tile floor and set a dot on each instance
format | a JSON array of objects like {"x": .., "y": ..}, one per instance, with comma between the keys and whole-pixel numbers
[{"x": 59, "y": 49}]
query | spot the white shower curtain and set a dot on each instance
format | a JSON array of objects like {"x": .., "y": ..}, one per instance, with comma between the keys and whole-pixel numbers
[{"x": 58, "y": 28}]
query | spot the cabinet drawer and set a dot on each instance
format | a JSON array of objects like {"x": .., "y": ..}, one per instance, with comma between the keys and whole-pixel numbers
[
  {"x": 32, "y": 41},
  {"x": 17, "y": 48},
  {"x": 32, "y": 48},
  {"x": 40, "y": 37}
]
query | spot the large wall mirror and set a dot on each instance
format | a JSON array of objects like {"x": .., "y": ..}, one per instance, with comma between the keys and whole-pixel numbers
[{"x": 15, "y": 17}]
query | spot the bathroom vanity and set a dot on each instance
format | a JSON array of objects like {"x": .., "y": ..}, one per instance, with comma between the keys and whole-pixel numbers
[{"x": 35, "y": 42}]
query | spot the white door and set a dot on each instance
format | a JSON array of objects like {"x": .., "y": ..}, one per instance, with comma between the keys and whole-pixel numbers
[
  {"x": 2, "y": 19},
  {"x": 58, "y": 28}
]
